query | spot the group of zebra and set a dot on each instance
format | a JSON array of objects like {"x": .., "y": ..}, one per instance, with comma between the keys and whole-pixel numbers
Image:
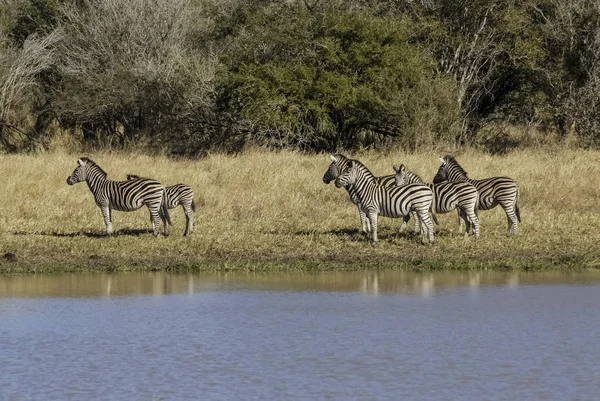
[
  {"x": 132, "y": 194},
  {"x": 399, "y": 195},
  {"x": 404, "y": 194}
]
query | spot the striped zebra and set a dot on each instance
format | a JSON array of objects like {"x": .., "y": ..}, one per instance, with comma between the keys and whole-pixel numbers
[
  {"x": 377, "y": 199},
  {"x": 125, "y": 196},
  {"x": 503, "y": 191},
  {"x": 179, "y": 194},
  {"x": 339, "y": 163},
  {"x": 447, "y": 196}
]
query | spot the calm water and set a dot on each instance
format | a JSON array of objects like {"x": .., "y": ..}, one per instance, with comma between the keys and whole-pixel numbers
[{"x": 329, "y": 336}]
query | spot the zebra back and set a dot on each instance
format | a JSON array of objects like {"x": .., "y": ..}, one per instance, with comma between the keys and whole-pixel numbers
[
  {"x": 121, "y": 195},
  {"x": 492, "y": 191},
  {"x": 339, "y": 164},
  {"x": 394, "y": 201},
  {"x": 404, "y": 176},
  {"x": 178, "y": 194}
]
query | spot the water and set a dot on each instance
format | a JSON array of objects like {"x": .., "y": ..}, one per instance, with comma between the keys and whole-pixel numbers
[{"x": 321, "y": 336}]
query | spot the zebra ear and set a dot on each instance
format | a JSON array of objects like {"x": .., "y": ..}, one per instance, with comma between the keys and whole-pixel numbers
[
  {"x": 80, "y": 162},
  {"x": 402, "y": 168},
  {"x": 442, "y": 161},
  {"x": 350, "y": 163},
  {"x": 333, "y": 158},
  {"x": 396, "y": 169}
]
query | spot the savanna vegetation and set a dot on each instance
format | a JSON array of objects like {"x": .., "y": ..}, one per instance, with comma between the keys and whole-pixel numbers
[
  {"x": 242, "y": 99},
  {"x": 187, "y": 77},
  {"x": 271, "y": 211}
]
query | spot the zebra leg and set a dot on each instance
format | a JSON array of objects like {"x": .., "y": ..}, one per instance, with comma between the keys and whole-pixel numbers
[
  {"x": 405, "y": 220},
  {"x": 435, "y": 221},
  {"x": 364, "y": 221},
  {"x": 163, "y": 214},
  {"x": 156, "y": 217},
  {"x": 107, "y": 219},
  {"x": 471, "y": 216},
  {"x": 189, "y": 219},
  {"x": 474, "y": 221},
  {"x": 464, "y": 218},
  {"x": 418, "y": 228},
  {"x": 513, "y": 221},
  {"x": 460, "y": 222},
  {"x": 427, "y": 226},
  {"x": 373, "y": 221}
]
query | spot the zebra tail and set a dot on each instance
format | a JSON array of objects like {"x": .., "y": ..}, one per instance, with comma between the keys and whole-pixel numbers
[
  {"x": 164, "y": 209},
  {"x": 517, "y": 211},
  {"x": 435, "y": 220},
  {"x": 193, "y": 205}
]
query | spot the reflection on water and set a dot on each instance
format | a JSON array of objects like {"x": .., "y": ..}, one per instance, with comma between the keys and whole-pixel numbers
[
  {"x": 377, "y": 336},
  {"x": 370, "y": 282}
]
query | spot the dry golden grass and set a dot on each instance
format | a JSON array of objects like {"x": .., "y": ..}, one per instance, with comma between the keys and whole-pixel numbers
[{"x": 271, "y": 211}]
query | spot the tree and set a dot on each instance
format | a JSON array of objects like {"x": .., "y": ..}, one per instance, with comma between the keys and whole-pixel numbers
[
  {"x": 128, "y": 63},
  {"x": 330, "y": 79}
]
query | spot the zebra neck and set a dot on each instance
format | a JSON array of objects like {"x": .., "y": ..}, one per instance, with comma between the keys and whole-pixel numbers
[
  {"x": 365, "y": 183},
  {"x": 95, "y": 180},
  {"x": 414, "y": 179}
]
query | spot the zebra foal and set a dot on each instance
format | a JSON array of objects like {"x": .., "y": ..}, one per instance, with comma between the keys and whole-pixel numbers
[
  {"x": 179, "y": 194},
  {"x": 376, "y": 199},
  {"x": 339, "y": 164},
  {"x": 447, "y": 196},
  {"x": 494, "y": 191},
  {"x": 125, "y": 196}
]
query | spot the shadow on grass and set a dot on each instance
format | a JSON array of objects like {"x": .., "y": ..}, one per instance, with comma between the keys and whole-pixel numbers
[
  {"x": 357, "y": 234},
  {"x": 90, "y": 234}
]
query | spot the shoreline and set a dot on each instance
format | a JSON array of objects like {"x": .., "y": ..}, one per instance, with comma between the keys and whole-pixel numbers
[{"x": 12, "y": 264}]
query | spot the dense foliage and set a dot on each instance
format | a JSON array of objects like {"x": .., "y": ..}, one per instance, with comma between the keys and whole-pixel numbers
[{"x": 194, "y": 75}]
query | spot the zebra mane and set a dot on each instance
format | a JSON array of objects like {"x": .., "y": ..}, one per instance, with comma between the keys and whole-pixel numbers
[
  {"x": 89, "y": 162},
  {"x": 412, "y": 177},
  {"x": 364, "y": 169},
  {"x": 452, "y": 161},
  {"x": 341, "y": 160}
]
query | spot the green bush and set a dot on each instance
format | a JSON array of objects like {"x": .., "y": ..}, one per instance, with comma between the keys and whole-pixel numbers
[{"x": 330, "y": 80}]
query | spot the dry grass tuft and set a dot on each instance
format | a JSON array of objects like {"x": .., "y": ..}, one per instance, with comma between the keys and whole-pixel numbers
[{"x": 271, "y": 211}]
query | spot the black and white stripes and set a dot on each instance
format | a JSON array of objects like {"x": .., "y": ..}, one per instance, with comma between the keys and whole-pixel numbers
[
  {"x": 124, "y": 196},
  {"x": 447, "y": 196},
  {"x": 376, "y": 199},
  {"x": 503, "y": 191},
  {"x": 339, "y": 164},
  {"x": 179, "y": 194},
  {"x": 451, "y": 190}
]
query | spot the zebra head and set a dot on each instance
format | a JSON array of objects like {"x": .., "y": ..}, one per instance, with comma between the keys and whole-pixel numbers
[
  {"x": 338, "y": 164},
  {"x": 449, "y": 170},
  {"x": 401, "y": 176},
  {"x": 80, "y": 173},
  {"x": 348, "y": 177}
]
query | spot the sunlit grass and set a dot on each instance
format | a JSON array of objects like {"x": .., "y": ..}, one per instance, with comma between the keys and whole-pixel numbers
[{"x": 270, "y": 210}]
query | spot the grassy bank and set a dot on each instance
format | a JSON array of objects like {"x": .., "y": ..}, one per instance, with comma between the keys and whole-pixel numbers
[{"x": 271, "y": 211}]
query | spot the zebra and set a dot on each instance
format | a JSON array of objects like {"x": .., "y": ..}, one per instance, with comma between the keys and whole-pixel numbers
[
  {"x": 377, "y": 199},
  {"x": 339, "y": 163},
  {"x": 179, "y": 194},
  {"x": 125, "y": 196},
  {"x": 503, "y": 191},
  {"x": 447, "y": 196}
]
